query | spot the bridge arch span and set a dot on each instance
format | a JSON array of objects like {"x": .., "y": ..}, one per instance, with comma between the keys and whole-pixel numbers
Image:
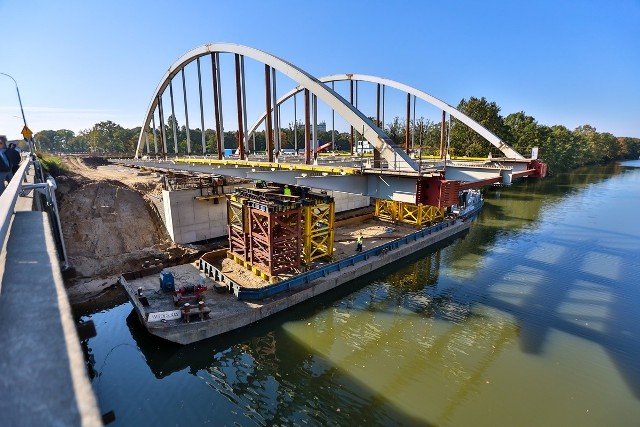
[
  {"x": 396, "y": 158},
  {"x": 505, "y": 148}
]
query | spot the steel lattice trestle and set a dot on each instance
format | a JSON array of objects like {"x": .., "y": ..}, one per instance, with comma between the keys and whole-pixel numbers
[
  {"x": 273, "y": 234},
  {"x": 318, "y": 235}
]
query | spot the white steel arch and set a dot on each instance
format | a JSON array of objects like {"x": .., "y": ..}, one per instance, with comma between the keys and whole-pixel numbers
[
  {"x": 395, "y": 157},
  {"x": 505, "y": 148}
]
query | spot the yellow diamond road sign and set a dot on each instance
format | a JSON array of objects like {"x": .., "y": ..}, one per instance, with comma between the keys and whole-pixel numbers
[{"x": 26, "y": 132}]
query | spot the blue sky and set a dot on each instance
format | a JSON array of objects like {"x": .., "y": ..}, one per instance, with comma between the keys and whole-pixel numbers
[{"x": 562, "y": 62}]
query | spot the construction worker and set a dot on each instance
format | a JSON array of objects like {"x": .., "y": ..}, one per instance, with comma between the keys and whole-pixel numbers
[
  {"x": 287, "y": 190},
  {"x": 359, "y": 243},
  {"x": 260, "y": 184}
]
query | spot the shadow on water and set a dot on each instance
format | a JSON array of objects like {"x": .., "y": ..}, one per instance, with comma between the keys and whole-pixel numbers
[
  {"x": 570, "y": 306},
  {"x": 571, "y": 294},
  {"x": 266, "y": 369}
]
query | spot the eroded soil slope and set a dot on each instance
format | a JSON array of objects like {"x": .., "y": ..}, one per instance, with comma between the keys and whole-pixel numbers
[{"x": 109, "y": 224}]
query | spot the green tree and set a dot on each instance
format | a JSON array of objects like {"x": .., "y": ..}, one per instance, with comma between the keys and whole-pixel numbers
[
  {"x": 629, "y": 148},
  {"x": 54, "y": 140},
  {"x": 396, "y": 131},
  {"x": 464, "y": 141},
  {"x": 525, "y": 131},
  {"x": 45, "y": 140},
  {"x": 427, "y": 136},
  {"x": 106, "y": 137},
  {"x": 599, "y": 147}
]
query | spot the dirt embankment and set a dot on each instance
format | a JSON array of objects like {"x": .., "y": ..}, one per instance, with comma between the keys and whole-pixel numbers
[{"x": 109, "y": 224}]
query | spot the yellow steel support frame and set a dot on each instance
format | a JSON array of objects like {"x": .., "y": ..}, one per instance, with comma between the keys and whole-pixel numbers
[
  {"x": 235, "y": 213},
  {"x": 318, "y": 232},
  {"x": 386, "y": 209},
  {"x": 238, "y": 240},
  {"x": 408, "y": 212}
]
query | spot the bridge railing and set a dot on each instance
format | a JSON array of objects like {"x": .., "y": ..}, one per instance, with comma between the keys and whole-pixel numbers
[
  {"x": 18, "y": 187},
  {"x": 10, "y": 196}
]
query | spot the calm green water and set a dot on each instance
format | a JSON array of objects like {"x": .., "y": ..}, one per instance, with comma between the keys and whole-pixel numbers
[{"x": 531, "y": 319}]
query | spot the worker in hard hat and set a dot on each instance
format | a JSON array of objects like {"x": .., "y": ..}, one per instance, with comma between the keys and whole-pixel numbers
[{"x": 287, "y": 191}]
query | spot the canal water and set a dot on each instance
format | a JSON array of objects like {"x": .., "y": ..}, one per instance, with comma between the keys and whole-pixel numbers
[{"x": 532, "y": 318}]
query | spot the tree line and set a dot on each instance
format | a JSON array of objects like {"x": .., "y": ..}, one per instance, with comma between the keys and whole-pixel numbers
[{"x": 561, "y": 148}]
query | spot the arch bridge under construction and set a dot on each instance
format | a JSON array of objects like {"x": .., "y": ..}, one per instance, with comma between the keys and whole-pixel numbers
[{"x": 390, "y": 172}]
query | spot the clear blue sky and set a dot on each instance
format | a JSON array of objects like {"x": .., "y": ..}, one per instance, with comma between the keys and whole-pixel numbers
[{"x": 562, "y": 62}]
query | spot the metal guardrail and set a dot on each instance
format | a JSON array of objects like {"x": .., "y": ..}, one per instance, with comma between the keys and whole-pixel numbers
[
  {"x": 10, "y": 196},
  {"x": 18, "y": 188}
]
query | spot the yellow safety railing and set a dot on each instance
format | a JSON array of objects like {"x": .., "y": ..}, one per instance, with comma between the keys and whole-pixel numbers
[{"x": 408, "y": 212}]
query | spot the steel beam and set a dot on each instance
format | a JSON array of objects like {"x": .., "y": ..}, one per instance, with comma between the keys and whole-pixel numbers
[
  {"x": 216, "y": 104},
  {"x": 470, "y": 173},
  {"x": 186, "y": 112},
  {"x": 442, "y": 133},
  {"x": 163, "y": 131},
  {"x": 351, "y": 137},
  {"x": 307, "y": 118},
  {"x": 173, "y": 119},
  {"x": 244, "y": 107},
  {"x": 407, "y": 128},
  {"x": 268, "y": 124},
  {"x": 204, "y": 141},
  {"x": 239, "y": 108},
  {"x": 155, "y": 136},
  {"x": 347, "y": 184},
  {"x": 276, "y": 117}
]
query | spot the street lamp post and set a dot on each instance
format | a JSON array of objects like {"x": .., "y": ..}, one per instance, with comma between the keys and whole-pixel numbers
[{"x": 30, "y": 140}]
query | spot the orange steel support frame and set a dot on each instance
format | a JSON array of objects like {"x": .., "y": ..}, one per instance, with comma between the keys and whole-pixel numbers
[{"x": 274, "y": 239}]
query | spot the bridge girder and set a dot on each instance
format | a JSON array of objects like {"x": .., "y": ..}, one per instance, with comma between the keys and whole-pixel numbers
[{"x": 398, "y": 186}]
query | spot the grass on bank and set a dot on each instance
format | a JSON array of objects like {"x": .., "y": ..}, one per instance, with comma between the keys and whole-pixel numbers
[{"x": 52, "y": 165}]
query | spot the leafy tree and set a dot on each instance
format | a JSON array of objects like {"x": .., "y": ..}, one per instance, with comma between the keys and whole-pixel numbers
[
  {"x": 396, "y": 131},
  {"x": 428, "y": 136},
  {"x": 600, "y": 146},
  {"x": 54, "y": 140},
  {"x": 464, "y": 141},
  {"x": 629, "y": 148},
  {"x": 106, "y": 137},
  {"x": 45, "y": 140},
  {"x": 525, "y": 131}
]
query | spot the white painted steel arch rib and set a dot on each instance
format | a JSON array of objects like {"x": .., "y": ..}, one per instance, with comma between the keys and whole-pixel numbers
[
  {"x": 506, "y": 149},
  {"x": 396, "y": 158}
]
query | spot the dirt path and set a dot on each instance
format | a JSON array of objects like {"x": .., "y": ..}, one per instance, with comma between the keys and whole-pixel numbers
[{"x": 108, "y": 224}]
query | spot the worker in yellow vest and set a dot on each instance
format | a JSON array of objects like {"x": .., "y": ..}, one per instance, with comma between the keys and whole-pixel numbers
[{"x": 287, "y": 190}]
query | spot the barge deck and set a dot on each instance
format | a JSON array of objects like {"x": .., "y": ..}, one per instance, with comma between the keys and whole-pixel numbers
[{"x": 240, "y": 304}]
